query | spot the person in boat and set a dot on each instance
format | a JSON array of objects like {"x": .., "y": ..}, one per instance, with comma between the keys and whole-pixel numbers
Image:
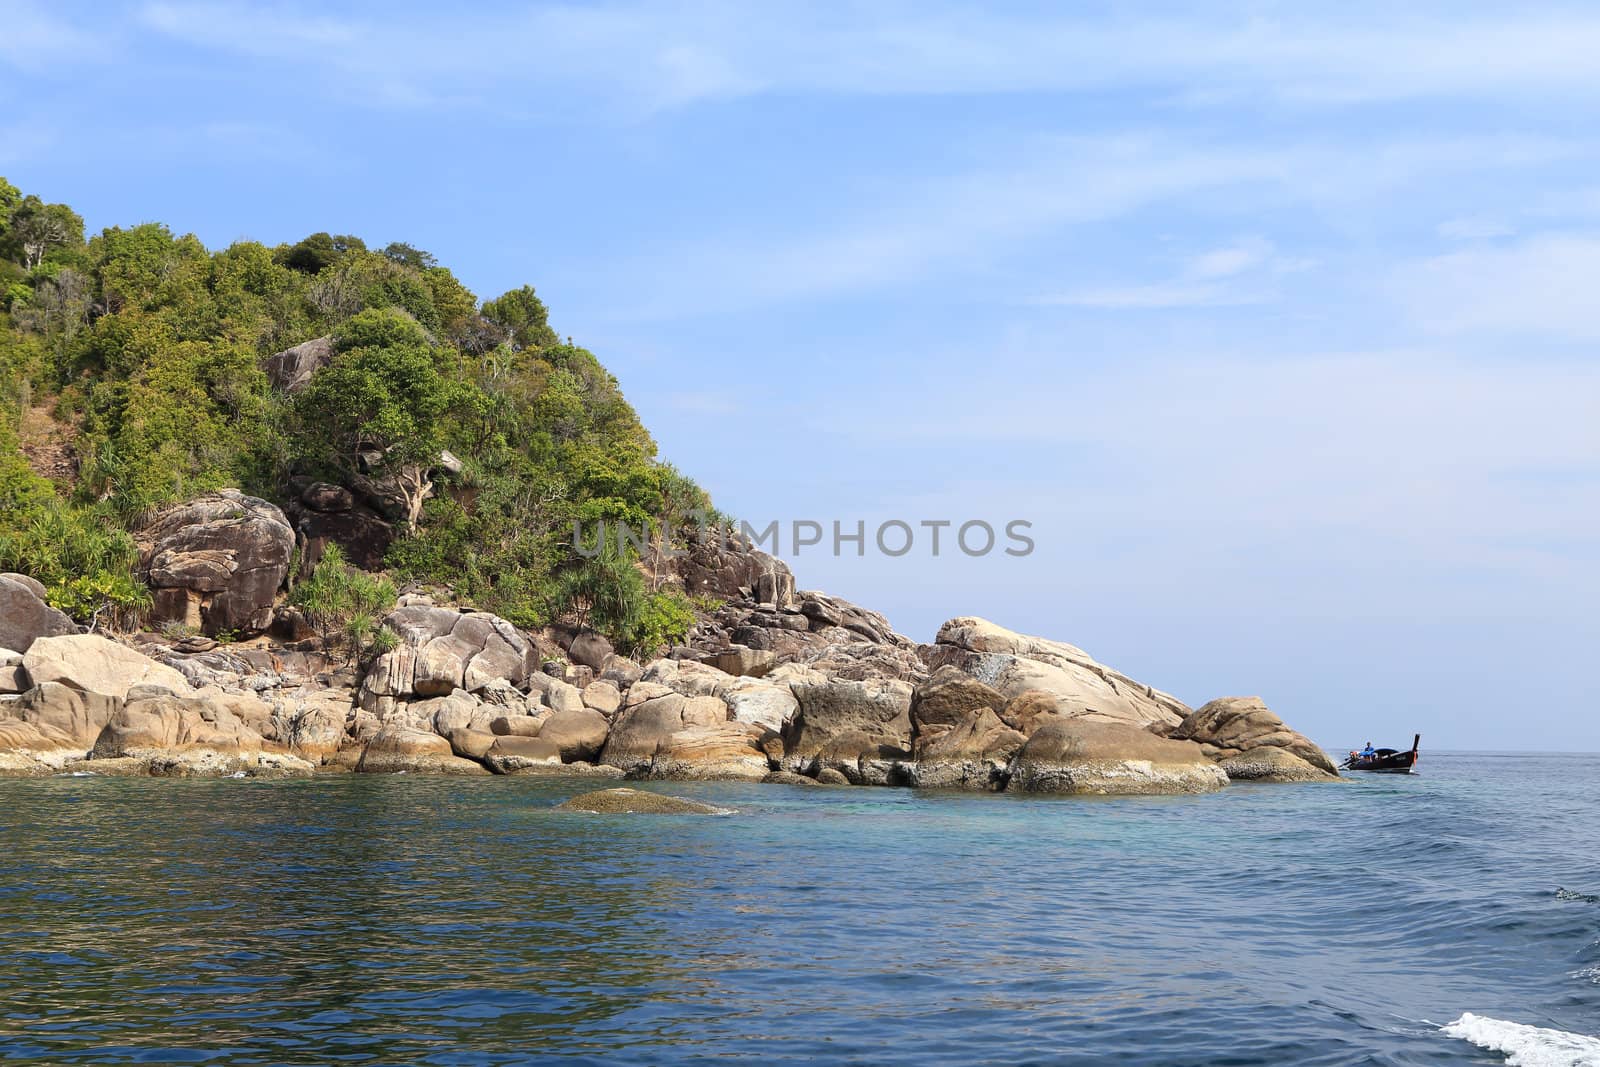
[{"x": 1369, "y": 751}]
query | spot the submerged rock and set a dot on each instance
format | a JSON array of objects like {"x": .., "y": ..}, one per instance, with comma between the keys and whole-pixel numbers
[
  {"x": 637, "y": 802},
  {"x": 787, "y": 778}
]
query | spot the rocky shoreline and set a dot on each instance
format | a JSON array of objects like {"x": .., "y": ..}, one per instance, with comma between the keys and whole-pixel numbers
[{"x": 773, "y": 684}]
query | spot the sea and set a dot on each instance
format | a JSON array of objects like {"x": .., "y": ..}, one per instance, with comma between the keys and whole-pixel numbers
[{"x": 1448, "y": 917}]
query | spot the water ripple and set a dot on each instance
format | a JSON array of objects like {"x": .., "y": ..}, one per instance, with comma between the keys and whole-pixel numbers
[{"x": 367, "y": 920}]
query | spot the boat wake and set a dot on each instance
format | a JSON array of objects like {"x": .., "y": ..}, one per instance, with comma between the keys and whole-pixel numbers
[{"x": 1526, "y": 1046}]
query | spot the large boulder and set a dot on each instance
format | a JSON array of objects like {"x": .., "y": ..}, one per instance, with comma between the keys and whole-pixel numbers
[
  {"x": 517, "y": 725},
  {"x": 974, "y": 753},
  {"x": 562, "y": 696},
  {"x": 946, "y": 700},
  {"x": 511, "y": 754},
  {"x": 25, "y": 617},
  {"x": 291, "y": 369},
  {"x": 688, "y": 677},
  {"x": 94, "y": 664},
  {"x": 33, "y": 585},
  {"x": 639, "y": 730},
  {"x": 1081, "y": 755},
  {"x": 400, "y": 749},
  {"x": 158, "y": 721},
  {"x": 169, "y": 735},
  {"x": 443, "y": 650},
  {"x": 577, "y": 735},
  {"x": 862, "y": 757},
  {"x": 1012, "y": 663},
  {"x": 1233, "y": 726},
  {"x": 879, "y": 709},
  {"x": 1269, "y": 763},
  {"x": 71, "y": 713},
  {"x": 29, "y": 749},
  {"x": 217, "y": 561},
  {"x": 590, "y": 649},
  {"x": 760, "y": 703},
  {"x": 602, "y": 696},
  {"x": 729, "y": 569},
  {"x": 680, "y": 730},
  {"x": 325, "y": 496},
  {"x": 313, "y": 724},
  {"x": 748, "y": 662},
  {"x": 472, "y": 744},
  {"x": 727, "y": 750},
  {"x": 1029, "y": 710},
  {"x": 455, "y": 710}
]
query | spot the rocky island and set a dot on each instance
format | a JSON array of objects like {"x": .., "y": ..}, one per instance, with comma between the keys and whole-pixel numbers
[
  {"x": 315, "y": 508},
  {"x": 814, "y": 689}
]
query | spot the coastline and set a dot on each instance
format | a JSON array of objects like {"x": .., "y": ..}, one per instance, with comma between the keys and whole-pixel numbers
[{"x": 772, "y": 684}]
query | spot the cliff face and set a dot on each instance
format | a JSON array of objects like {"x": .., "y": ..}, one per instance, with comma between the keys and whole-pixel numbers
[{"x": 773, "y": 681}]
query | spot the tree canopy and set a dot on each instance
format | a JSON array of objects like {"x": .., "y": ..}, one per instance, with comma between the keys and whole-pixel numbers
[{"x": 146, "y": 351}]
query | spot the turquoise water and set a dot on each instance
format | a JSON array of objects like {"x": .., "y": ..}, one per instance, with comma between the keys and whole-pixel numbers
[{"x": 365, "y": 919}]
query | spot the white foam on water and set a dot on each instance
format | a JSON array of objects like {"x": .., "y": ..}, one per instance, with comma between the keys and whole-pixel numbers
[{"x": 1526, "y": 1046}]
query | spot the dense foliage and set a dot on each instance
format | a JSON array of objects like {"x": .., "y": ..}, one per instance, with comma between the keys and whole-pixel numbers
[
  {"x": 345, "y": 605},
  {"x": 145, "y": 350}
]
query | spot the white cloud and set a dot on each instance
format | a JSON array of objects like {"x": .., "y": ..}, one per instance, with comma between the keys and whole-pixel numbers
[
  {"x": 1406, "y": 453},
  {"x": 670, "y": 54},
  {"x": 929, "y": 226},
  {"x": 1541, "y": 287},
  {"x": 1231, "y": 259},
  {"x": 35, "y": 40},
  {"x": 1157, "y": 296},
  {"x": 1243, "y": 272},
  {"x": 1474, "y": 228}
]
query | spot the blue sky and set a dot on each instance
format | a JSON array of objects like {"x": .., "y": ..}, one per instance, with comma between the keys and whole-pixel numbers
[{"x": 1277, "y": 321}]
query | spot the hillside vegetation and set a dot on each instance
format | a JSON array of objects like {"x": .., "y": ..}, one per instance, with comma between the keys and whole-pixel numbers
[{"x": 131, "y": 377}]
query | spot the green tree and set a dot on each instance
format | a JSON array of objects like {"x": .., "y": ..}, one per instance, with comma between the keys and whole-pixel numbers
[
  {"x": 379, "y": 407},
  {"x": 319, "y": 251},
  {"x": 34, "y": 229},
  {"x": 344, "y": 604},
  {"x": 523, "y": 316},
  {"x": 604, "y": 591},
  {"x": 409, "y": 256},
  {"x": 10, "y": 197}
]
